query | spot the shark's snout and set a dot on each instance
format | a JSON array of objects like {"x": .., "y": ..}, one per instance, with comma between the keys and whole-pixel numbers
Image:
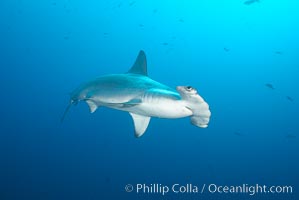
[{"x": 198, "y": 106}]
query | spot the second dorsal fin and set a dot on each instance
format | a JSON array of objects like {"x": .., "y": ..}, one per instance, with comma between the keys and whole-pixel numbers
[{"x": 140, "y": 65}]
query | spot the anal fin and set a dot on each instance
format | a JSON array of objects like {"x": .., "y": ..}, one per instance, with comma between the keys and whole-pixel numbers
[{"x": 141, "y": 123}]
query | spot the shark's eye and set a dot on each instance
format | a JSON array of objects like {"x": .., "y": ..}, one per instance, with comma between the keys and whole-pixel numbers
[{"x": 189, "y": 88}]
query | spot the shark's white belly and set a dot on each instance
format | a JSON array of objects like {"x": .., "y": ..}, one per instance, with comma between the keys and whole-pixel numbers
[{"x": 162, "y": 109}]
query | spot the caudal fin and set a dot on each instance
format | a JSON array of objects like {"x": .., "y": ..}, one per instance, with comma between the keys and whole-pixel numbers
[{"x": 66, "y": 111}]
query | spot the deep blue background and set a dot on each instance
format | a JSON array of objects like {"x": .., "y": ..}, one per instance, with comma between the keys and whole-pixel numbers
[{"x": 47, "y": 48}]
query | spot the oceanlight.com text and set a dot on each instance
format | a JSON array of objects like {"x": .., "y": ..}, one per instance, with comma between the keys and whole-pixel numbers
[
  {"x": 250, "y": 189},
  {"x": 247, "y": 189}
]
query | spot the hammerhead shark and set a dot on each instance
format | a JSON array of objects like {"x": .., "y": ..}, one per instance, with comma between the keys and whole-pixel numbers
[{"x": 142, "y": 97}]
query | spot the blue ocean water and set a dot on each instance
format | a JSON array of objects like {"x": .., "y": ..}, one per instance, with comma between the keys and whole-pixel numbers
[{"x": 242, "y": 58}]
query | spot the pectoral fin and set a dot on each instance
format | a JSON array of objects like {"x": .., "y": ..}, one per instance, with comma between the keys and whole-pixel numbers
[
  {"x": 131, "y": 103},
  {"x": 141, "y": 123},
  {"x": 92, "y": 105}
]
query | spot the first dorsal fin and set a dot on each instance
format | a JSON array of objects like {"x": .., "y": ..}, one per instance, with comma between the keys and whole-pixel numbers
[{"x": 140, "y": 66}]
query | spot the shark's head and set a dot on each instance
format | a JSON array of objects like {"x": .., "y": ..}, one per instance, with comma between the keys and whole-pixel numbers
[
  {"x": 189, "y": 93},
  {"x": 193, "y": 101}
]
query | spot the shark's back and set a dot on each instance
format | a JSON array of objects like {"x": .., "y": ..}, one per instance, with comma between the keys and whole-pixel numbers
[{"x": 122, "y": 87}]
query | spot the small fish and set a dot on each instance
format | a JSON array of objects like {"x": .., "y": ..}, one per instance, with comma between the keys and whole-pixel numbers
[
  {"x": 269, "y": 86},
  {"x": 226, "y": 49},
  {"x": 290, "y": 98},
  {"x": 238, "y": 133},
  {"x": 155, "y": 11},
  {"x": 169, "y": 50},
  {"x": 106, "y": 34},
  {"x": 66, "y": 37},
  {"x": 249, "y": 2},
  {"x": 181, "y": 20},
  {"x": 291, "y": 136},
  {"x": 141, "y": 25},
  {"x": 278, "y": 52},
  {"x": 165, "y": 43},
  {"x": 66, "y": 8},
  {"x": 120, "y": 4},
  {"x": 132, "y": 3}
]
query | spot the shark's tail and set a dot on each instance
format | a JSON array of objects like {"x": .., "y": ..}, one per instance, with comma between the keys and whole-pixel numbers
[{"x": 72, "y": 102}]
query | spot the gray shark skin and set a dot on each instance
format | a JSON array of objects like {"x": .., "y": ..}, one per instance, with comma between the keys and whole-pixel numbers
[{"x": 142, "y": 97}]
